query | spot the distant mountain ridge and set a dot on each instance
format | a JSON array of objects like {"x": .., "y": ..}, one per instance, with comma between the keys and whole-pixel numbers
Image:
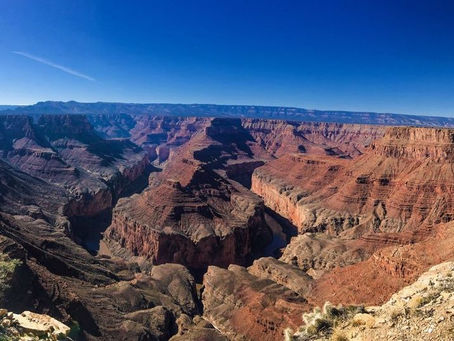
[{"x": 243, "y": 111}]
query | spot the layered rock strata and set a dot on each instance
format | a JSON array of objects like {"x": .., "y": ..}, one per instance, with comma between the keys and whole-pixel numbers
[
  {"x": 191, "y": 214},
  {"x": 334, "y": 139},
  {"x": 374, "y": 219},
  {"x": 403, "y": 181}
]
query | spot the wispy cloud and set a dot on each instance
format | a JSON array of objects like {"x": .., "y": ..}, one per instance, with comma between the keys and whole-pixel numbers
[{"x": 57, "y": 66}]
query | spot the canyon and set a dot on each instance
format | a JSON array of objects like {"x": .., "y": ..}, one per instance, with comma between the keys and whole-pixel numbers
[{"x": 136, "y": 226}]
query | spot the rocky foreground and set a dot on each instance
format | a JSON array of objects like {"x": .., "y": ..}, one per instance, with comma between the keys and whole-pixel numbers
[
  {"x": 31, "y": 326},
  {"x": 423, "y": 310}
]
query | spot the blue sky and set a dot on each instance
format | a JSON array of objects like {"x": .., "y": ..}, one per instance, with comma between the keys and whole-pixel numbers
[{"x": 385, "y": 56}]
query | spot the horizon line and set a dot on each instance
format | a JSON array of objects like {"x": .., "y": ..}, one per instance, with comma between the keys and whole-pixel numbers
[{"x": 223, "y": 104}]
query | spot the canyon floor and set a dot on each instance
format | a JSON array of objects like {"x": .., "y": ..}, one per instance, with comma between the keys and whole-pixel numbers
[{"x": 145, "y": 227}]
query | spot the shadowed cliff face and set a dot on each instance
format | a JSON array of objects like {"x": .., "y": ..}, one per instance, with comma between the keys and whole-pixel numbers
[{"x": 368, "y": 204}]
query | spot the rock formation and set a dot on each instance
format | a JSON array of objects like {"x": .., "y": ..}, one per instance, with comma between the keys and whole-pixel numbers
[
  {"x": 31, "y": 326},
  {"x": 245, "y": 307},
  {"x": 403, "y": 181},
  {"x": 191, "y": 214},
  {"x": 343, "y": 140},
  {"x": 365, "y": 210},
  {"x": 66, "y": 151}
]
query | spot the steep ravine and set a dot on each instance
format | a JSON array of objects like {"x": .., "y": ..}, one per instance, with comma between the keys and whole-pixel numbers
[{"x": 91, "y": 215}]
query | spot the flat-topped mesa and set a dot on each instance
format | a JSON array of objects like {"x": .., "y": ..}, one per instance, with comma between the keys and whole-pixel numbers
[{"x": 417, "y": 143}]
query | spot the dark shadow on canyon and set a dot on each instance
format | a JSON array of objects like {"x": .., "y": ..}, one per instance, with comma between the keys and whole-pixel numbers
[
  {"x": 88, "y": 230},
  {"x": 242, "y": 172},
  {"x": 283, "y": 231}
]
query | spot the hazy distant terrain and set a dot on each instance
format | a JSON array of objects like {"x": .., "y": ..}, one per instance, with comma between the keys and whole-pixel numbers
[
  {"x": 212, "y": 110},
  {"x": 7, "y": 107}
]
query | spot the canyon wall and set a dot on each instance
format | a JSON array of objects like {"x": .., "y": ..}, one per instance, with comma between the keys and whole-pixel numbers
[
  {"x": 283, "y": 137},
  {"x": 404, "y": 180},
  {"x": 368, "y": 225}
]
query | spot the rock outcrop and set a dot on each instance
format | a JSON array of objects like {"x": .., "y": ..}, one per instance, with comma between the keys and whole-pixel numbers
[
  {"x": 245, "y": 307},
  {"x": 196, "y": 329},
  {"x": 316, "y": 254},
  {"x": 282, "y": 273},
  {"x": 31, "y": 326}
]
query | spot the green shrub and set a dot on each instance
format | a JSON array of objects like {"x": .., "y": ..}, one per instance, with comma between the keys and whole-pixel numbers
[{"x": 7, "y": 268}]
